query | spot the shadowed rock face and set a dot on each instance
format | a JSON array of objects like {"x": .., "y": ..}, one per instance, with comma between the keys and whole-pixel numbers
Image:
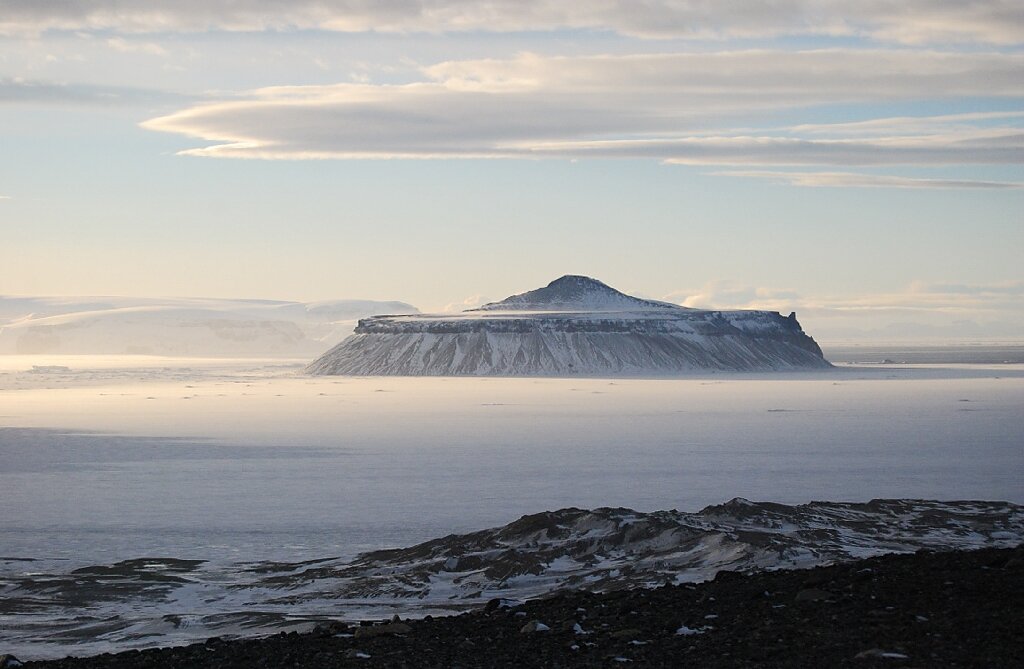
[{"x": 575, "y": 326}]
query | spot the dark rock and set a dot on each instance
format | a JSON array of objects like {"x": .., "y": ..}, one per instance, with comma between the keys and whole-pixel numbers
[
  {"x": 874, "y": 653},
  {"x": 727, "y": 575},
  {"x": 382, "y": 630},
  {"x": 813, "y": 595},
  {"x": 817, "y": 577}
]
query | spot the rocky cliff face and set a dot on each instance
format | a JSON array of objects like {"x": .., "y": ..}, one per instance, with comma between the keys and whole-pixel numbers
[{"x": 574, "y": 326}]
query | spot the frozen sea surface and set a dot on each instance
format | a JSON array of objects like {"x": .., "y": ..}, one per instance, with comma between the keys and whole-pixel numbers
[
  {"x": 117, "y": 458},
  {"x": 105, "y": 459}
]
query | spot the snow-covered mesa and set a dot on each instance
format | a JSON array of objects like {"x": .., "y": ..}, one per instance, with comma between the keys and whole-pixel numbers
[
  {"x": 179, "y": 326},
  {"x": 575, "y": 326}
]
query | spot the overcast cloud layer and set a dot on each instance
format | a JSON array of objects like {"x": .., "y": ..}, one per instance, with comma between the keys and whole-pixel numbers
[{"x": 905, "y": 21}]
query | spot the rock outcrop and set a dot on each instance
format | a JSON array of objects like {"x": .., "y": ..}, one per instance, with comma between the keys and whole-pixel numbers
[{"x": 575, "y": 326}]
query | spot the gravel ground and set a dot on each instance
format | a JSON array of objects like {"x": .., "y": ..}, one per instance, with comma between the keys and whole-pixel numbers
[{"x": 955, "y": 609}]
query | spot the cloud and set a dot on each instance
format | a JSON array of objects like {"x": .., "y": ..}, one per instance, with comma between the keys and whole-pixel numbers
[
  {"x": 905, "y": 124},
  {"x": 662, "y": 106},
  {"x": 919, "y": 309},
  {"x": 901, "y": 21},
  {"x": 126, "y": 46},
  {"x": 847, "y": 180},
  {"x": 918, "y": 296},
  {"x": 726, "y": 294},
  {"x": 471, "y": 302},
  {"x": 992, "y": 290},
  {"x": 23, "y": 91}
]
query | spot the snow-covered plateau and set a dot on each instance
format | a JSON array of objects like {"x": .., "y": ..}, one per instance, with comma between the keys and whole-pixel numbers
[{"x": 575, "y": 326}]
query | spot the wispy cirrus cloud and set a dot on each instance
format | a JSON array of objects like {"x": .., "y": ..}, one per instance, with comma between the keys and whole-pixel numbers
[{"x": 901, "y": 21}]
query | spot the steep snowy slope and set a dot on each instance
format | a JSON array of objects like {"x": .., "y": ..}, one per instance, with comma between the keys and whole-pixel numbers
[{"x": 574, "y": 326}]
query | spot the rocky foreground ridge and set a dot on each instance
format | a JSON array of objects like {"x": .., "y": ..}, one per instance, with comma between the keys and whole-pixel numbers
[
  {"x": 613, "y": 548},
  {"x": 163, "y": 601},
  {"x": 953, "y": 609},
  {"x": 574, "y": 326}
]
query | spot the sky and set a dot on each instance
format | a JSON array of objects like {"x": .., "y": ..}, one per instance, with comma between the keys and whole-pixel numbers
[{"x": 860, "y": 163}]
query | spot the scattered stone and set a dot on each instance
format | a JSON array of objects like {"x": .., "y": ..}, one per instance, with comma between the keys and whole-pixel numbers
[
  {"x": 9, "y": 662},
  {"x": 534, "y": 626},
  {"x": 879, "y": 653},
  {"x": 813, "y": 595},
  {"x": 727, "y": 575},
  {"x": 354, "y": 654},
  {"x": 578, "y": 629},
  {"x": 331, "y": 627},
  {"x": 628, "y": 633},
  {"x": 501, "y": 603},
  {"x": 387, "y": 629},
  {"x": 688, "y": 631},
  {"x": 817, "y": 577}
]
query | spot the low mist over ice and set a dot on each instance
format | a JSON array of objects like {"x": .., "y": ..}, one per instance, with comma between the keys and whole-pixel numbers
[{"x": 180, "y": 326}]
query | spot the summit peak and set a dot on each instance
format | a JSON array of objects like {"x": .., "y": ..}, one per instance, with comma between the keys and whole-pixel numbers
[{"x": 575, "y": 292}]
